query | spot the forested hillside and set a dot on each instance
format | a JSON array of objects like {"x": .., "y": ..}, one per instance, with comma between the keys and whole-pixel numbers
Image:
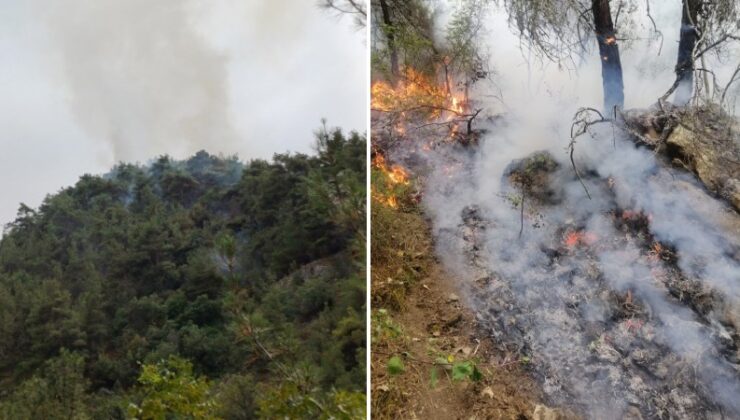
[{"x": 203, "y": 288}]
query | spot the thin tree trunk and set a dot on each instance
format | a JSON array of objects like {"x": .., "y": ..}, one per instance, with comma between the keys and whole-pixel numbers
[
  {"x": 611, "y": 67},
  {"x": 390, "y": 36},
  {"x": 686, "y": 44}
]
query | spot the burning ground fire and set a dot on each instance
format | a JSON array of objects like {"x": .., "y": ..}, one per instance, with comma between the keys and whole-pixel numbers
[
  {"x": 624, "y": 301},
  {"x": 418, "y": 96},
  {"x": 415, "y": 91},
  {"x": 592, "y": 289},
  {"x": 394, "y": 175}
]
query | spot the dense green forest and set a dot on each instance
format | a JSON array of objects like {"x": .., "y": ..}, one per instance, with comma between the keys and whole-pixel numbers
[{"x": 203, "y": 288}]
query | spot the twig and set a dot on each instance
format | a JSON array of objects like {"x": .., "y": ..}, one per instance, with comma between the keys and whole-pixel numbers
[
  {"x": 521, "y": 217},
  {"x": 670, "y": 90},
  {"x": 420, "y": 107},
  {"x": 412, "y": 358},
  {"x": 575, "y": 169},
  {"x": 470, "y": 120},
  {"x": 727, "y": 86},
  {"x": 655, "y": 27},
  {"x": 580, "y": 126},
  {"x": 722, "y": 39}
]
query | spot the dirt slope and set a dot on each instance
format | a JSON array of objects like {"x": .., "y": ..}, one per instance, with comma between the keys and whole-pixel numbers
[{"x": 419, "y": 316}]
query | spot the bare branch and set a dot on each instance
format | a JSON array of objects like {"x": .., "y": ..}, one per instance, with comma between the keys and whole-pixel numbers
[
  {"x": 727, "y": 86},
  {"x": 719, "y": 41},
  {"x": 580, "y": 126},
  {"x": 655, "y": 27},
  {"x": 357, "y": 8}
]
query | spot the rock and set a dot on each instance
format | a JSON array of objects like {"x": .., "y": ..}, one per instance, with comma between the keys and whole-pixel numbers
[
  {"x": 453, "y": 298},
  {"x": 453, "y": 320},
  {"x": 703, "y": 140},
  {"x": 542, "y": 412},
  {"x": 632, "y": 413},
  {"x": 533, "y": 175}
]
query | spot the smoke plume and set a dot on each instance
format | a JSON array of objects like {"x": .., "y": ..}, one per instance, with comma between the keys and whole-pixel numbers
[{"x": 140, "y": 76}]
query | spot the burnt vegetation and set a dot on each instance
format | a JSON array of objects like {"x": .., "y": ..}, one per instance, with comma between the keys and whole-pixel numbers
[
  {"x": 202, "y": 288},
  {"x": 608, "y": 271}
]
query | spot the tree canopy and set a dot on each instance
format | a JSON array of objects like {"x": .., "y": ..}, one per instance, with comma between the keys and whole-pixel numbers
[{"x": 207, "y": 275}]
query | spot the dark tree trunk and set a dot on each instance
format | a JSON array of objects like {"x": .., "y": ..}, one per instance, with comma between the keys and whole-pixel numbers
[
  {"x": 611, "y": 67},
  {"x": 390, "y": 36},
  {"x": 685, "y": 60}
]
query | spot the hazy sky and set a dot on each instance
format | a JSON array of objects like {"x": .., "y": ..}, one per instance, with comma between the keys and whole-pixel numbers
[{"x": 88, "y": 83}]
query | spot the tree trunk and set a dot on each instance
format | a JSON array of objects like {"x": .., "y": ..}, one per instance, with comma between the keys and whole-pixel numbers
[
  {"x": 390, "y": 36},
  {"x": 685, "y": 60},
  {"x": 611, "y": 67}
]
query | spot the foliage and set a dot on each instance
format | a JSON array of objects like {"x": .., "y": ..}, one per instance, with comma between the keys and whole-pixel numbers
[
  {"x": 395, "y": 366},
  {"x": 466, "y": 370},
  {"x": 171, "y": 390},
  {"x": 410, "y": 27},
  {"x": 290, "y": 402},
  {"x": 406, "y": 34},
  {"x": 554, "y": 29},
  {"x": 383, "y": 327},
  {"x": 465, "y": 56},
  {"x": 57, "y": 391},
  {"x": 355, "y": 8},
  {"x": 167, "y": 260}
]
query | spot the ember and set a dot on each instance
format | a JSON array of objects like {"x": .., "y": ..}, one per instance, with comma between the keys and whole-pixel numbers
[
  {"x": 574, "y": 238},
  {"x": 632, "y": 325}
]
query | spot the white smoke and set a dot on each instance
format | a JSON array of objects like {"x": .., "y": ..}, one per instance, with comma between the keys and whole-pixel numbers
[
  {"x": 140, "y": 76},
  {"x": 671, "y": 360}
]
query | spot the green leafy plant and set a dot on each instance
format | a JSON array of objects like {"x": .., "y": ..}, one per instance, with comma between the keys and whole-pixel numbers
[
  {"x": 170, "y": 389},
  {"x": 459, "y": 370},
  {"x": 384, "y": 328},
  {"x": 466, "y": 370},
  {"x": 396, "y": 366}
]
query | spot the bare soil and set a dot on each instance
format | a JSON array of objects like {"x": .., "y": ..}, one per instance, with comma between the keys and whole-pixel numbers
[{"x": 434, "y": 321}]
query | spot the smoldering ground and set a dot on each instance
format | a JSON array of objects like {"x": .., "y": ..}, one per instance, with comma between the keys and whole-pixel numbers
[{"x": 610, "y": 325}]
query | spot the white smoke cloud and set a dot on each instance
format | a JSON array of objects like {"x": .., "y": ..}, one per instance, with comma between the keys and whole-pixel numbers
[
  {"x": 140, "y": 77},
  {"x": 89, "y": 83}
]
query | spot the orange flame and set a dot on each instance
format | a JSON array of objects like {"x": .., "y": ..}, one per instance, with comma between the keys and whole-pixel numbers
[
  {"x": 416, "y": 92},
  {"x": 398, "y": 175},
  {"x": 395, "y": 175},
  {"x": 574, "y": 238},
  {"x": 413, "y": 90},
  {"x": 655, "y": 252}
]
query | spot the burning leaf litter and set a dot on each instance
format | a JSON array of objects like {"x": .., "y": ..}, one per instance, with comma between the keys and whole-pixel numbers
[{"x": 619, "y": 313}]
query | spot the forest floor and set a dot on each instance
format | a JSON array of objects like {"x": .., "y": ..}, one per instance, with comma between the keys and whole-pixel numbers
[{"x": 420, "y": 318}]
